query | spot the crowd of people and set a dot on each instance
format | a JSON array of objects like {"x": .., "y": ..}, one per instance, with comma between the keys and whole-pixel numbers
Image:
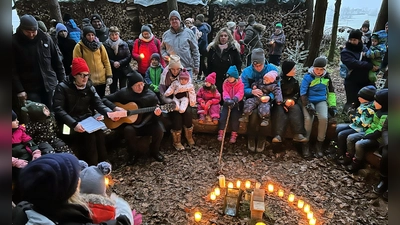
[{"x": 60, "y": 80}]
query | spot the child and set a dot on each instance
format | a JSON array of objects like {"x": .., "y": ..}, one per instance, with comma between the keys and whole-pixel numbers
[
  {"x": 366, "y": 33},
  {"x": 42, "y": 128},
  {"x": 183, "y": 92},
  {"x": 189, "y": 24},
  {"x": 376, "y": 53},
  {"x": 208, "y": 98},
  {"x": 153, "y": 73},
  {"x": 268, "y": 85},
  {"x": 317, "y": 93},
  {"x": 372, "y": 138},
  {"x": 232, "y": 93},
  {"x": 361, "y": 120}
]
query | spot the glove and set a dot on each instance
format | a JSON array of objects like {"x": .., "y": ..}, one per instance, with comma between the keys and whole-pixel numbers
[
  {"x": 203, "y": 104},
  {"x": 36, "y": 154},
  {"x": 208, "y": 104},
  {"x": 19, "y": 163},
  {"x": 332, "y": 111},
  {"x": 137, "y": 217},
  {"x": 311, "y": 110},
  {"x": 109, "y": 81},
  {"x": 229, "y": 103},
  {"x": 236, "y": 100}
]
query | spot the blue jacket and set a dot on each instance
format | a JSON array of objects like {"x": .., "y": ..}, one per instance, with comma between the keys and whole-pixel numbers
[
  {"x": 249, "y": 76},
  {"x": 205, "y": 29},
  {"x": 318, "y": 89},
  {"x": 73, "y": 30}
]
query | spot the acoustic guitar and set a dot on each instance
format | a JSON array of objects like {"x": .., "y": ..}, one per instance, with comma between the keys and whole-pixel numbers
[{"x": 133, "y": 113}]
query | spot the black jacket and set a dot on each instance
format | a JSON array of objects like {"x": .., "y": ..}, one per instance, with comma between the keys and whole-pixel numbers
[
  {"x": 290, "y": 88},
  {"x": 350, "y": 56},
  {"x": 66, "y": 46},
  {"x": 72, "y": 105},
  {"x": 123, "y": 57},
  {"x": 36, "y": 63}
]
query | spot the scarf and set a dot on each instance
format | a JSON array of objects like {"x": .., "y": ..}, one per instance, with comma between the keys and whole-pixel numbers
[
  {"x": 144, "y": 39},
  {"x": 113, "y": 44},
  {"x": 94, "y": 45},
  {"x": 223, "y": 47}
]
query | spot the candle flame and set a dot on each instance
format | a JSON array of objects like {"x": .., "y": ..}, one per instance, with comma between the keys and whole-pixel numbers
[
  {"x": 238, "y": 183},
  {"x": 313, "y": 221},
  {"x": 300, "y": 203},
  {"x": 230, "y": 185},
  {"x": 307, "y": 208},
  {"x": 217, "y": 191},
  {"x": 212, "y": 196},
  {"x": 141, "y": 55},
  {"x": 106, "y": 181},
  {"x": 280, "y": 193},
  {"x": 270, "y": 187},
  {"x": 291, "y": 198},
  {"x": 247, "y": 184},
  {"x": 310, "y": 215},
  {"x": 197, "y": 216}
]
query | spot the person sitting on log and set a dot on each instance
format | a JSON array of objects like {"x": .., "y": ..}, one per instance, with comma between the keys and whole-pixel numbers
[
  {"x": 208, "y": 98},
  {"x": 182, "y": 91}
]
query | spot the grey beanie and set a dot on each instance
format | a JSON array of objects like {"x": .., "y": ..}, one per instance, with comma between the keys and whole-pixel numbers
[
  {"x": 319, "y": 62},
  {"x": 28, "y": 22},
  {"x": 145, "y": 28},
  {"x": 93, "y": 178},
  {"x": 176, "y": 14},
  {"x": 258, "y": 56},
  {"x": 200, "y": 18},
  {"x": 88, "y": 29}
]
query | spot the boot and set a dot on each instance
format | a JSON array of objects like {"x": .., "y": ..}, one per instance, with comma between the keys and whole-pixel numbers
[
  {"x": 277, "y": 139},
  {"x": 201, "y": 118},
  {"x": 382, "y": 186},
  {"x": 244, "y": 119},
  {"x": 319, "y": 153},
  {"x": 189, "y": 135},
  {"x": 305, "y": 150},
  {"x": 299, "y": 138},
  {"x": 355, "y": 166},
  {"x": 157, "y": 156},
  {"x": 220, "y": 135},
  {"x": 233, "y": 137},
  {"x": 215, "y": 120},
  {"x": 264, "y": 122},
  {"x": 251, "y": 143},
  {"x": 176, "y": 139},
  {"x": 261, "y": 144},
  {"x": 345, "y": 160}
]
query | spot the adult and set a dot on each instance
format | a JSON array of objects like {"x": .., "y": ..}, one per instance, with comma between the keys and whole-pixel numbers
[
  {"x": 120, "y": 57},
  {"x": 231, "y": 26},
  {"x": 252, "y": 39},
  {"x": 36, "y": 65},
  {"x": 276, "y": 44},
  {"x": 50, "y": 190},
  {"x": 73, "y": 30},
  {"x": 358, "y": 77},
  {"x": 258, "y": 68},
  {"x": 179, "y": 120},
  {"x": 66, "y": 46},
  {"x": 75, "y": 99},
  {"x": 180, "y": 40},
  {"x": 205, "y": 29},
  {"x": 138, "y": 92},
  {"x": 239, "y": 36},
  {"x": 223, "y": 52},
  {"x": 95, "y": 55},
  {"x": 144, "y": 47},
  {"x": 98, "y": 24}
]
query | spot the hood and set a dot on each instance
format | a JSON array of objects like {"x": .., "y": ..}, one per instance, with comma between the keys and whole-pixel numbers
[
  {"x": 259, "y": 27},
  {"x": 97, "y": 199},
  {"x": 73, "y": 24},
  {"x": 311, "y": 72},
  {"x": 205, "y": 27},
  {"x": 234, "y": 44},
  {"x": 37, "y": 218}
]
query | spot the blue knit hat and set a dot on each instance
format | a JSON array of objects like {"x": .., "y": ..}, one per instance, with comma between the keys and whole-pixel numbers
[
  {"x": 233, "y": 72},
  {"x": 60, "y": 27}
]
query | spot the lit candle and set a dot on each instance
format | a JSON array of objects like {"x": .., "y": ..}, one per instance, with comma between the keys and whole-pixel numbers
[
  {"x": 307, "y": 208},
  {"x": 141, "y": 55},
  {"x": 260, "y": 223},
  {"x": 230, "y": 185},
  {"x": 300, "y": 203},
  {"x": 238, "y": 183},
  {"x": 217, "y": 191},
  {"x": 197, "y": 216},
  {"x": 280, "y": 193},
  {"x": 106, "y": 181},
  {"x": 221, "y": 181},
  {"x": 212, "y": 196},
  {"x": 291, "y": 197},
  {"x": 247, "y": 184},
  {"x": 310, "y": 215},
  {"x": 313, "y": 221},
  {"x": 258, "y": 185},
  {"x": 270, "y": 187}
]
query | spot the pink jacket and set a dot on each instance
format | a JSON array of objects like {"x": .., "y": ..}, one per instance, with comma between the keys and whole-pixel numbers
[
  {"x": 231, "y": 90},
  {"x": 20, "y": 136},
  {"x": 206, "y": 95}
]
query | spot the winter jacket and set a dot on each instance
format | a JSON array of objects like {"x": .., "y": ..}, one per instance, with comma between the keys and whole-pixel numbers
[
  {"x": 147, "y": 48},
  {"x": 102, "y": 33},
  {"x": 177, "y": 88},
  {"x": 253, "y": 36},
  {"x": 375, "y": 129},
  {"x": 376, "y": 53},
  {"x": 270, "y": 88},
  {"x": 153, "y": 76},
  {"x": 249, "y": 75},
  {"x": 22, "y": 144},
  {"x": 290, "y": 88},
  {"x": 366, "y": 38},
  {"x": 238, "y": 37},
  {"x": 71, "y": 105},
  {"x": 204, "y": 95},
  {"x": 219, "y": 62},
  {"x": 232, "y": 90},
  {"x": 318, "y": 88},
  {"x": 276, "y": 48},
  {"x": 97, "y": 61},
  {"x": 383, "y": 36},
  {"x": 73, "y": 30},
  {"x": 66, "y": 46},
  {"x": 350, "y": 56},
  {"x": 103, "y": 208},
  {"x": 167, "y": 79},
  {"x": 183, "y": 43},
  {"x": 36, "y": 64},
  {"x": 205, "y": 29},
  {"x": 362, "y": 119},
  {"x": 123, "y": 57}
]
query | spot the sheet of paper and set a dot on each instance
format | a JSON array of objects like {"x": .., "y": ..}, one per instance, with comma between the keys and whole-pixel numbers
[{"x": 119, "y": 114}]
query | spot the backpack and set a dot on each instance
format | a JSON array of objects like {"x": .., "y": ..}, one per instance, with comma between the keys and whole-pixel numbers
[{"x": 344, "y": 71}]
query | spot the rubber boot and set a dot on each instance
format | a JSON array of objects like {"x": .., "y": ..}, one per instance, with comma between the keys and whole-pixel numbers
[
  {"x": 345, "y": 160},
  {"x": 251, "y": 143},
  {"x": 382, "y": 186},
  {"x": 305, "y": 150},
  {"x": 233, "y": 137},
  {"x": 201, "y": 118},
  {"x": 220, "y": 135},
  {"x": 319, "y": 153},
  {"x": 355, "y": 166},
  {"x": 176, "y": 140},
  {"x": 261, "y": 141},
  {"x": 189, "y": 135}
]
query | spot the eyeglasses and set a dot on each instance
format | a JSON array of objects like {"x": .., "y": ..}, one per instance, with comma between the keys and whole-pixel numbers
[{"x": 81, "y": 75}]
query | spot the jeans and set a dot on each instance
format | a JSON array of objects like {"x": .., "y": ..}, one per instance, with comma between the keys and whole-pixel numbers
[
  {"x": 343, "y": 131},
  {"x": 364, "y": 145},
  {"x": 322, "y": 110},
  {"x": 351, "y": 142},
  {"x": 236, "y": 113}
]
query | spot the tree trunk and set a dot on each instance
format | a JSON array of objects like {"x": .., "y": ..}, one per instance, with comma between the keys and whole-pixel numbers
[
  {"x": 309, "y": 18},
  {"x": 172, "y": 5},
  {"x": 317, "y": 31},
  {"x": 55, "y": 12},
  {"x": 382, "y": 16},
  {"x": 332, "y": 48}
]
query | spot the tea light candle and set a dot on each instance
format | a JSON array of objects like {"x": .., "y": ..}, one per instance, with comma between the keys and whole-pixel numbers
[
  {"x": 106, "y": 181},
  {"x": 260, "y": 223},
  {"x": 141, "y": 55},
  {"x": 217, "y": 191},
  {"x": 307, "y": 208},
  {"x": 270, "y": 187},
  {"x": 310, "y": 215},
  {"x": 313, "y": 221},
  {"x": 238, "y": 183},
  {"x": 212, "y": 196},
  {"x": 300, "y": 203},
  {"x": 291, "y": 197},
  {"x": 258, "y": 185},
  {"x": 280, "y": 193},
  {"x": 230, "y": 185},
  {"x": 197, "y": 216},
  {"x": 221, "y": 181},
  {"x": 247, "y": 184}
]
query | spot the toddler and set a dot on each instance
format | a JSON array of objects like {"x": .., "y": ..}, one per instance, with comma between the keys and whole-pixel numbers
[
  {"x": 153, "y": 73},
  {"x": 183, "y": 92},
  {"x": 208, "y": 98}
]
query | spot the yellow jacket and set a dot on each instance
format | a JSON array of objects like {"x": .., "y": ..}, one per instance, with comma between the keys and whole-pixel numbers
[{"x": 98, "y": 62}]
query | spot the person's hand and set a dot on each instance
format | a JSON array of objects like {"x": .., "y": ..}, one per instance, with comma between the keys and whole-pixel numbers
[
  {"x": 99, "y": 118},
  {"x": 241, "y": 42},
  {"x": 117, "y": 108},
  {"x": 310, "y": 109},
  {"x": 332, "y": 111},
  {"x": 22, "y": 97},
  {"x": 19, "y": 163},
  {"x": 208, "y": 104},
  {"x": 363, "y": 54},
  {"x": 115, "y": 118},
  {"x": 116, "y": 64},
  {"x": 78, "y": 128},
  {"x": 257, "y": 92},
  {"x": 196, "y": 71},
  {"x": 36, "y": 154},
  {"x": 166, "y": 58},
  {"x": 375, "y": 68},
  {"x": 109, "y": 81},
  {"x": 229, "y": 103},
  {"x": 157, "y": 111}
]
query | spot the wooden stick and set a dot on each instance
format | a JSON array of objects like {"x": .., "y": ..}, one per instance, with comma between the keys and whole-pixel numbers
[{"x": 223, "y": 136}]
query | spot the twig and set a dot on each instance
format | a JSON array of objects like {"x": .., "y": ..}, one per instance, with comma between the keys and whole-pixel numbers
[{"x": 223, "y": 136}]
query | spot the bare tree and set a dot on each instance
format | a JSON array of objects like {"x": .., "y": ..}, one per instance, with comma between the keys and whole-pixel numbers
[
  {"x": 309, "y": 18},
  {"x": 382, "y": 16},
  {"x": 172, "y": 5},
  {"x": 335, "y": 24},
  {"x": 317, "y": 30},
  {"x": 55, "y": 11}
]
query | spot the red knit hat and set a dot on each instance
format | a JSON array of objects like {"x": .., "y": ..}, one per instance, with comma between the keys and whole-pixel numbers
[
  {"x": 211, "y": 78},
  {"x": 79, "y": 65}
]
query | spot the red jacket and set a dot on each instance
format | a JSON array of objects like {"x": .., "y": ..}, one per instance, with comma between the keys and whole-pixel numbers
[
  {"x": 206, "y": 95},
  {"x": 147, "y": 48},
  {"x": 239, "y": 37},
  {"x": 231, "y": 90},
  {"x": 20, "y": 135}
]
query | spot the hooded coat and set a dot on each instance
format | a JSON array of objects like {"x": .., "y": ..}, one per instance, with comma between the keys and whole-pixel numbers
[{"x": 253, "y": 36}]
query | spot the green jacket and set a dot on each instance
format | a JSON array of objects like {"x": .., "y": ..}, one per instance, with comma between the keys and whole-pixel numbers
[{"x": 152, "y": 77}]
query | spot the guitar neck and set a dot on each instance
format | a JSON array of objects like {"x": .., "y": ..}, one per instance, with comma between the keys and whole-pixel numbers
[{"x": 142, "y": 110}]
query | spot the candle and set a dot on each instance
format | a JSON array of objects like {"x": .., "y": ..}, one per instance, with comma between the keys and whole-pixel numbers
[
  {"x": 230, "y": 185},
  {"x": 106, "y": 181},
  {"x": 212, "y": 196},
  {"x": 217, "y": 191},
  {"x": 197, "y": 216},
  {"x": 313, "y": 221},
  {"x": 221, "y": 181},
  {"x": 258, "y": 185},
  {"x": 238, "y": 183},
  {"x": 260, "y": 223},
  {"x": 291, "y": 197},
  {"x": 280, "y": 193},
  {"x": 270, "y": 187},
  {"x": 247, "y": 184},
  {"x": 141, "y": 55},
  {"x": 307, "y": 208},
  {"x": 310, "y": 215},
  {"x": 300, "y": 203}
]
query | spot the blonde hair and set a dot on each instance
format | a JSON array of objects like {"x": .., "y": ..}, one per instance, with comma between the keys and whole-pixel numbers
[
  {"x": 228, "y": 32},
  {"x": 113, "y": 29},
  {"x": 78, "y": 200}
]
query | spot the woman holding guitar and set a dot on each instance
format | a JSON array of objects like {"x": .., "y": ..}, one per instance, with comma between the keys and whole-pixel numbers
[{"x": 147, "y": 124}]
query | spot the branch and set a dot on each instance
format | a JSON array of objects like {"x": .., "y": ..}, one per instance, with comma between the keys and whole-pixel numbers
[{"x": 294, "y": 8}]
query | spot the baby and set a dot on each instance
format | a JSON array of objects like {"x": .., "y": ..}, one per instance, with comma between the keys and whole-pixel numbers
[{"x": 183, "y": 91}]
